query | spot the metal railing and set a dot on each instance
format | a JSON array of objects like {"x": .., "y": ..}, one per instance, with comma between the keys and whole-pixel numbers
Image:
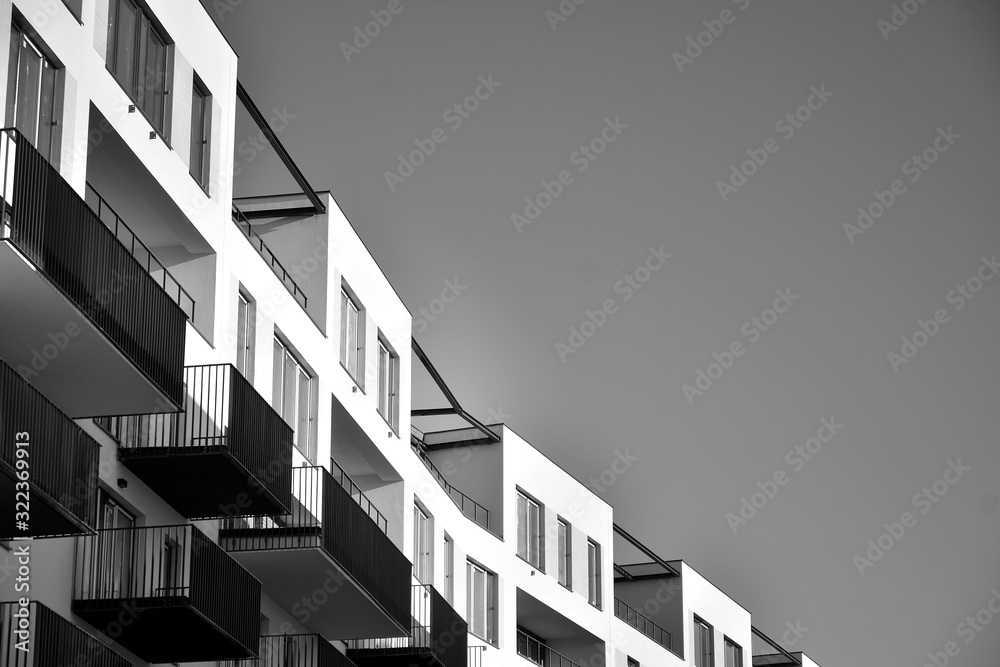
[
  {"x": 475, "y": 658},
  {"x": 358, "y": 496},
  {"x": 221, "y": 410},
  {"x": 293, "y": 651},
  {"x": 51, "y": 640},
  {"x": 435, "y": 627},
  {"x": 60, "y": 460},
  {"x": 761, "y": 645},
  {"x": 53, "y": 227},
  {"x": 643, "y": 624},
  {"x": 167, "y": 566},
  {"x": 257, "y": 242},
  {"x": 535, "y": 651},
  {"x": 154, "y": 267},
  {"x": 470, "y": 508},
  {"x": 331, "y": 514}
]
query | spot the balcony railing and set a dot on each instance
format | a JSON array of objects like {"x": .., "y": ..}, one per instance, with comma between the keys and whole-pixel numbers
[
  {"x": 55, "y": 229},
  {"x": 766, "y": 651},
  {"x": 535, "y": 651},
  {"x": 643, "y": 624},
  {"x": 294, "y": 651},
  {"x": 54, "y": 466},
  {"x": 476, "y": 656},
  {"x": 185, "y": 599},
  {"x": 470, "y": 508},
  {"x": 438, "y": 636},
  {"x": 227, "y": 454},
  {"x": 258, "y": 244},
  {"x": 138, "y": 249},
  {"x": 329, "y": 512},
  {"x": 35, "y": 636}
]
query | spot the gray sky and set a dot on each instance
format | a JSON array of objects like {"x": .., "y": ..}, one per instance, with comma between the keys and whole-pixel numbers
[{"x": 887, "y": 95}]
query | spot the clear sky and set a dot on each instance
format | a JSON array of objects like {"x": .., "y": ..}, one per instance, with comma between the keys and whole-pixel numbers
[{"x": 741, "y": 153}]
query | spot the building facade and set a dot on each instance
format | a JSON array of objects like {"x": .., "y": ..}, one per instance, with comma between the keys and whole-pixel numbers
[{"x": 210, "y": 449}]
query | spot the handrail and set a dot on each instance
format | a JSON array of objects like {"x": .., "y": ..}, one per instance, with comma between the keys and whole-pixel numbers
[
  {"x": 358, "y": 496},
  {"x": 643, "y": 624},
  {"x": 479, "y": 514},
  {"x": 535, "y": 651},
  {"x": 140, "y": 251},
  {"x": 243, "y": 223}
]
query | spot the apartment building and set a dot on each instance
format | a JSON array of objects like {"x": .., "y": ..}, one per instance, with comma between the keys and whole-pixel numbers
[{"x": 211, "y": 450}]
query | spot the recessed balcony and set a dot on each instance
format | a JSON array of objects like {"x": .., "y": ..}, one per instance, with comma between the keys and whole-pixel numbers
[
  {"x": 438, "y": 637},
  {"x": 48, "y": 639},
  {"x": 227, "y": 454},
  {"x": 47, "y": 464},
  {"x": 90, "y": 321},
  {"x": 167, "y": 594},
  {"x": 329, "y": 561}
]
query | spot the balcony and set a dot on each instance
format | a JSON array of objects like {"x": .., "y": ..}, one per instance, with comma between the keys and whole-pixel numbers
[
  {"x": 49, "y": 639},
  {"x": 535, "y": 651},
  {"x": 475, "y": 658},
  {"x": 769, "y": 653},
  {"x": 227, "y": 454},
  {"x": 269, "y": 257},
  {"x": 469, "y": 507},
  {"x": 294, "y": 651},
  {"x": 643, "y": 624},
  {"x": 56, "y": 464},
  {"x": 329, "y": 561},
  {"x": 167, "y": 594},
  {"x": 90, "y": 326},
  {"x": 438, "y": 637}
]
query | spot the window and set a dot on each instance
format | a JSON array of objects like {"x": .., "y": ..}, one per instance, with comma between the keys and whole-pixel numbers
[
  {"x": 137, "y": 57},
  {"x": 294, "y": 397},
  {"x": 532, "y": 648},
  {"x": 594, "y": 573},
  {"x": 632, "y": 662},
  {"x": 422, "y": 541},
  {"x": 530, "y": 531},
  {"x": 565, "y": 539},
  {"x": 114, "y": 546},
  {"x": 32, "y": 89},
  {"x": 449, "y": 570},
  {"x": 482, "y": 602},
  {"x": 352, "y": 340},
  {"x": 201, "y": 133},
  {"x": 246, "y": 316},
  {"x": 734, "y": 654},
  {"x": 388, "y": 379},
  {"x": 704, "y": 655}
]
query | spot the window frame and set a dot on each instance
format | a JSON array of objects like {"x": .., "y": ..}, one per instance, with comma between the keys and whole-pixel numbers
[
  {"x": 491, "y": 615},
  {"x": 701, "y": 626},
  {"x": 423, "y": 541},
  {"x": 595, "y": 593},
  {"x": 203, "y": 177},
  {"x": 564, "y": 547},
  {"x": 449, "y": 569},
  {"x": 293, "y": 416},
  {"x": 538, "y": 539},
  {"x": 246, "y": 332},
  {"x": 56, "y": 79},
  {"x": 388, "y": 384},
  {"x": 351, "y": 304},
  {"x": 132, "y": 82},
  {"x": 737, "y": 653}
]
